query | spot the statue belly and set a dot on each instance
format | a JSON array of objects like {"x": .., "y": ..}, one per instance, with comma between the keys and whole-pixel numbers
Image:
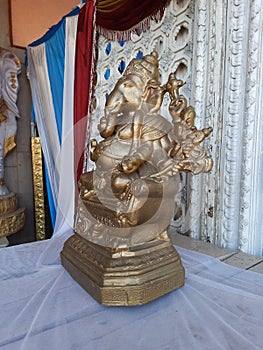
[{"x": 113, "y": 154}]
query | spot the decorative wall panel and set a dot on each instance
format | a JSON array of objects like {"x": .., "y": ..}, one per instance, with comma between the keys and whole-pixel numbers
[
  {"x": 227, "y": 62},
  {"x": 216, "y": 47}
]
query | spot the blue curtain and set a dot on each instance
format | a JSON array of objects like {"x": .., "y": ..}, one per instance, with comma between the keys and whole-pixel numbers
[{"x": 55, "y": 41}]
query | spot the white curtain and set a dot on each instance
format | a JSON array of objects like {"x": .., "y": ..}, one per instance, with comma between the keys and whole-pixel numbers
[{"x": 51, "y": 74}]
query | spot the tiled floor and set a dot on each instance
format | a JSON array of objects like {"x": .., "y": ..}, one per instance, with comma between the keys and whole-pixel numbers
[{"x": 231, "y": 257}]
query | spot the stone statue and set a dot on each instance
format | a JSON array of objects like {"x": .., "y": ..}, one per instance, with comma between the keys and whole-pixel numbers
[
  {"x": 9, "y": 69},
  {"x": 121, "y": 252},
  {"x": 11, "y": 218},
  {"x": 139, "y": 160}
]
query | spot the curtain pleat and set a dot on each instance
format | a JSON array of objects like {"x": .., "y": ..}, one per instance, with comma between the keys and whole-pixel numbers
[
  {"x": 66, "y": 193},
  {"x": 51, "y": 75},
  {"x": 44, "y": 114},
  {"x": 125, "y": 14},
  {"x": 83, "y": 81},
  {"x": 55, "y": 54}
]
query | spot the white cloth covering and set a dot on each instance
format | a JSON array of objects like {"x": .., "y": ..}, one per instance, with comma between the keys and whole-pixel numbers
[
  {"x": 58, "y": 153},
  {"x": 65, "y": 208},
  {"x": 42, "y": 307}
]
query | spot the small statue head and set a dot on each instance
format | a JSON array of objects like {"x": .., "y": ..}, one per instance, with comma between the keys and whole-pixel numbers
[
  {"x": 146, "y": 68},
  {"x": 130, "y": 89}
]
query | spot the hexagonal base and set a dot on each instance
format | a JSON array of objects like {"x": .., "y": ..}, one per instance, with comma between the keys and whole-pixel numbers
[{"x": 123, "y": 277}]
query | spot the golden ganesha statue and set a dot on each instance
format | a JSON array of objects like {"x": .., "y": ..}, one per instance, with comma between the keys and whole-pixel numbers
[{"x": 127, "y": 203}]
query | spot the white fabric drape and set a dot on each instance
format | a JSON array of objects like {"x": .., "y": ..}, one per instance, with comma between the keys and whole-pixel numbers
[
  {"x": 44, "y": 113},
  {"x": 42, "y": 307},
  {"x": 66, "y": 193},
  {"x": 55, "y": 126}
]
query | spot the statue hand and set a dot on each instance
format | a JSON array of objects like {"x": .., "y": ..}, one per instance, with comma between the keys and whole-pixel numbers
[
  {"x": 173, "y": 85},
  {"x": 107, "y": 125},
  {"x": 94, "y": 150},
  {"x": 130, "y": 164},
  {"x": 167, "y": 169},
  {"x": 103, "y": 124}
]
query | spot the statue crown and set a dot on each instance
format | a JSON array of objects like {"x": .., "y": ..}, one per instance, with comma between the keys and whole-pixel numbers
[{"x": 145, "y": 68}]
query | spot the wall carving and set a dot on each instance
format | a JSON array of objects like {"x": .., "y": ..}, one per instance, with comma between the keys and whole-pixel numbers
[
  {"x": 250, "y": 229},
  {"x": 217, "y": 48},
  {"x": 230, "y": 35}
]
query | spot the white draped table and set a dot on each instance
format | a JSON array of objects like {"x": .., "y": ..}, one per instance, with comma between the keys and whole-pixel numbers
[{"x": 42, "y": 307}]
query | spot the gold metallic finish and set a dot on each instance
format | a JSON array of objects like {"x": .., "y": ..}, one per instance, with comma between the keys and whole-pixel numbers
[
  {"x": 124, "y": 278},
  {"x": 3, "y": 118},
  {"x": 134, "y": 183},
  {"x": 8, "y": 203},
  {"x": 9, "y": 144},
  {"x": 121, "y": 253},
  {"x": 38, "y": 188},
  {"x": 12, "y": 222},
  {"x": 3, "y": 111},
  {"x": 11, "y": 219}
]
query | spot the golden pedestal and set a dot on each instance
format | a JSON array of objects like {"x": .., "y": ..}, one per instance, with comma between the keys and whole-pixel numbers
[
  {"x": 122, "y": 254},
  {"x": 136, "y": 275},
  {"x": 12, "y": 219}
]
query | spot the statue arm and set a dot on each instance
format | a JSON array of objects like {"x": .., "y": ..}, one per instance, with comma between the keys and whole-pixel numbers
[
  {"x": 107, "y": 125},
  {"x": 131, "y": 163}
]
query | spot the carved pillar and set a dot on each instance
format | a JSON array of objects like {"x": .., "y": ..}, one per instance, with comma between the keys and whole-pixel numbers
[
  {"x": 227, "y": 90},
  {"x": 207, "y": 96}
]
